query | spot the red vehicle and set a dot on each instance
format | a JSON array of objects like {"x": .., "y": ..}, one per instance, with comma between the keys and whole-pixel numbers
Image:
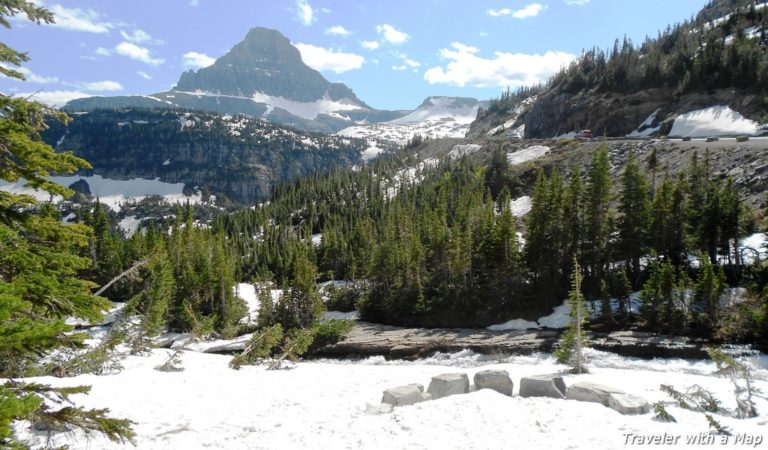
[{"x": 584, "y": 134}]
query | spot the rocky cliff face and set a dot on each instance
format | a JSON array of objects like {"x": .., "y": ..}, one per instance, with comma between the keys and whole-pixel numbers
[
  {"x": 614, "y": 114},
  {"x": 234, "y": 156},
  {"x": 262, "y": 76},
  {"x": 265, "y": 62}
]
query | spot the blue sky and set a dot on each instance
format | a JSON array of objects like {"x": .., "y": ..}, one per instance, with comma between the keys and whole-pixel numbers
[{"x": 392, "y": 53}]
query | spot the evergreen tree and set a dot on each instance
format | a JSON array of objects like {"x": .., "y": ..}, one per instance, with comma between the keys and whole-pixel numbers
[
  {"x": 598, "y": 215},
  {"x": 707, "y": 293},
  {"x": 621, "y": 288},
  {"x": 497, "y": 175},
  {"x": 633, "y": 224},
  {"x": 571, "y": 346},
  {"x": 39, "y": 262},
  {"x": 661, "y": 305},
  {"x": 606, "y": 310}
]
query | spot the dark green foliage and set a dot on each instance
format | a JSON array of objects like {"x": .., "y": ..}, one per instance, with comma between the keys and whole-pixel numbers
[
  {"x": 695, "y": 398},
  {"x": 621, "y": 289},
  {"x": 342, "y": 299},
  {"x": 329, "y": 333},
  {"x": 295, "y": 344},
  {"x": 708, "y": 291},
  {"x": 741, "y": 377},
  {"x": 599, "y": 217},
  {"x": 662, "y": 303},
  {"x": 570, "y": 349},
  {"x": 688, "y": 57},
  {"x": 661, "y": 413},
  {"x": 635, "y": 217},
  {"x": 509, "y": 100},
  {"x": 716, "y": 426},
  {"x": 259, "y": 347},
  {"x": 39, "y": 262},
  {"x": 497, "y": 175},
  {"x": 42, "y": 405}
]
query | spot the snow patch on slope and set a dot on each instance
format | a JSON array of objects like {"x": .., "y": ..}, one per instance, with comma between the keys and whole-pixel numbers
[
  {"x": 371, "y": 152},
  {"x": 712, "y": 121},
  {"x": 521, "y": 206},
  {"x": 527, "y": 154},
  {"x": 129, "y": 225},
  {"x": 306, "y": 110},
  {"x": 646, "y": 128},
  {"x": 439, "y": 108},
  {"x": 462, "y": 150}
]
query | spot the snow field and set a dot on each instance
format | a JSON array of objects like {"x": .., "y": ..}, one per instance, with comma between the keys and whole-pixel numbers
[{"x": 322, "y": 405}]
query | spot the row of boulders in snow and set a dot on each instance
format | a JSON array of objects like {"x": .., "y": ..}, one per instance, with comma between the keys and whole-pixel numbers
[{"x": 551, "y": 386}]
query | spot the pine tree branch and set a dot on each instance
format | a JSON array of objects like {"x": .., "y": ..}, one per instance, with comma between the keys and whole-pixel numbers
[{"x": 123, "y": 274}]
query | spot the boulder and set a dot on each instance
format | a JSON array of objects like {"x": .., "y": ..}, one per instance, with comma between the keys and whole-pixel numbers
[
  {"x": 448, "y": 384},
  {"x": 381, "y": 408},
  {"x": 591, "y": 392},
  {"x": 404, "y": 395},
  {"x": 498, "y": 380},
  {"x": 608, "y": 396},
  {"x": 551, "y": 386},
  {"x": 628, "y": 404}
]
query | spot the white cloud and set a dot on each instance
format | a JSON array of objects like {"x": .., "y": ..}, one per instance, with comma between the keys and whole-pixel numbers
[
  {"x": 144, "y": 75},
  {"x": 370, "y": 45},
  {"x": 101, "y": 86},
  {"x": 305, "y": 13},
  {"x": 576, "y": 2},
  {"x": 76, "y": 19},
  {"x": 138, "y": 53},
  {"x": 338, "y": 30},
  {"x": 391, "y": 34},
  {"x": 320, "y": 58},
  {"x": 139, "y": 36},
  {"x": 196, "y": 60},
  {"x": 101, "y": 51},
  {"x": 499, "y": 12},
  {"x": 53, "y": 98},
  {"x": 31, "y": 76},
  {"x": 194, "y": 2},
  {"x": 399, "y": 68},
  {"x": 407, "y": 62},
  {"x": 465, "y": 68},
  {"x": 531, "y": 10}
]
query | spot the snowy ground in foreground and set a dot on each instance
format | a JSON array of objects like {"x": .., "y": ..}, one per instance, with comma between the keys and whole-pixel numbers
[{"x": 322, "y": 404}]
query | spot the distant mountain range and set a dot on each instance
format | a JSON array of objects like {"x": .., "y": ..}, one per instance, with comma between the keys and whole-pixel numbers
[
  {"x": 263, "y": 76},
  {"x": 436, "y": 117}
]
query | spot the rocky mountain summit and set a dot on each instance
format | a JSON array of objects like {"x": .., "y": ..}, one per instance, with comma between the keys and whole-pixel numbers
[{"x": 262, "y": 76}]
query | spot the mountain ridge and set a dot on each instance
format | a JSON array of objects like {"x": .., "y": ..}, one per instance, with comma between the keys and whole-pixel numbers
[
  {"x": 262, "y": 76},
  {"x": 718, "y": 59}
]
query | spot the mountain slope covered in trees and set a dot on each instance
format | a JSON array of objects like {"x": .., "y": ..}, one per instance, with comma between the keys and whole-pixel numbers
[{"x": 720, "y": 57}]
